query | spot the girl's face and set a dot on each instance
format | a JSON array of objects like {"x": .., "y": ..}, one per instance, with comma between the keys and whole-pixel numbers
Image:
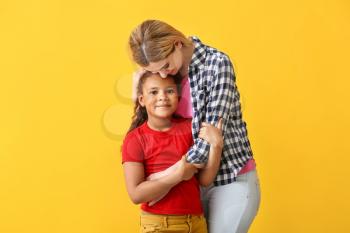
[
  {"x": 170, "y": 65},
  {"x": 159, "y": 96}
]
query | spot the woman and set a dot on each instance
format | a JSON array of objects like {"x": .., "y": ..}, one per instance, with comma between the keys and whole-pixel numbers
[{"x": 209, "y": 93}]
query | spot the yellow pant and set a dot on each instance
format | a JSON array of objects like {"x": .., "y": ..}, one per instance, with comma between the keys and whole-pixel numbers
[{"x": 172, "y": 223}]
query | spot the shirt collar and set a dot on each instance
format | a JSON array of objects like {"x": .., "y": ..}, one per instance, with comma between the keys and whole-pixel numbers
[{"x": 199, "y": 53}]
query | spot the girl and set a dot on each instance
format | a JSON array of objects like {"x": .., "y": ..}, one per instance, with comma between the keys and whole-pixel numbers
[
  {"x": 232, "y": 201},
  {"x": 156, "y": 141}
]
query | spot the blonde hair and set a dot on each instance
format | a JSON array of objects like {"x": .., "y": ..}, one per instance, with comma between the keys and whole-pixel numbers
[{"x": 154, "y": 40}]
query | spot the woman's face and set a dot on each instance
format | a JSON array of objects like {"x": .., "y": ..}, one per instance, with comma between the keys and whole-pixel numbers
[{"x": 170, "y": 65}]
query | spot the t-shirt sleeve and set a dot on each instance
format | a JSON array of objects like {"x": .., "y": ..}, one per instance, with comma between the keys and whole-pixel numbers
[
  {"x": 189, "y": 130},
  {"x": 132, "y": 149}
]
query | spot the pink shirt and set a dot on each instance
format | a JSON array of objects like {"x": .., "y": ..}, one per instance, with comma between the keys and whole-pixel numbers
[{"x": 184, "y": 109}]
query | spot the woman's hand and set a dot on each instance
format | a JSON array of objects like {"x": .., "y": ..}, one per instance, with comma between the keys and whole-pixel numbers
[
  {"x": 212, "y": 134},
  {"x": 135, "y": 81},
  {"x": 185, "y": 170}
]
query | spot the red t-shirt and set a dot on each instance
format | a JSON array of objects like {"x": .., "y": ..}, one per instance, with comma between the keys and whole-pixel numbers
[{"x": 158, "y": 151}]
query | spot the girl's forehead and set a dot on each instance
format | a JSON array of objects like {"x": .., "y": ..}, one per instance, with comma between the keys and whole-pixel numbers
[{"x": 156, "y": 80}]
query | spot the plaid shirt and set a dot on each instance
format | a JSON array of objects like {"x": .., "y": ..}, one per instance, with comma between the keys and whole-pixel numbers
[{"x": 215, "y": 95}]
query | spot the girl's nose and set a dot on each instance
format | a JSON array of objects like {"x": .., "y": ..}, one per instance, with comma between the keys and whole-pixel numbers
[{"x": 162, "y": 95}]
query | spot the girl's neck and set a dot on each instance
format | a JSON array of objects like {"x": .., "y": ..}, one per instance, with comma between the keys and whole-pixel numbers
[{"x": 163, "y": 124}]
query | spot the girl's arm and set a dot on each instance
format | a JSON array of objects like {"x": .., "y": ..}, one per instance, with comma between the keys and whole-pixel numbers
[
  {"x": 213, "y": 135},
  {"x": 141, "y": 190}
]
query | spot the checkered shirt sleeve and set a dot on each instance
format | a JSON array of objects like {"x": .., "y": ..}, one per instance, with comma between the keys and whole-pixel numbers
[{"x": 215, "y": 95}]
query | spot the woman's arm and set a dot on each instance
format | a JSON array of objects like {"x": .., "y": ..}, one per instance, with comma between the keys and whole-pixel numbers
[
  {"x": 213, "y": 135},
  {"x": 223, "y": 101},
  {"x": 141, "y": 190}
]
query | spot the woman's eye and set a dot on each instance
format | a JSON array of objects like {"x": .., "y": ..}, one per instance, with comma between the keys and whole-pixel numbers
[
  {"x": 165, "y": 67},
  {"x": 171, "y": 91},
  {"x": 153, "y": 92}
]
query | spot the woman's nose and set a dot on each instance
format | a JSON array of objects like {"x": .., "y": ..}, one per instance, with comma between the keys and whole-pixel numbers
[{"x": 163, "y": 74}]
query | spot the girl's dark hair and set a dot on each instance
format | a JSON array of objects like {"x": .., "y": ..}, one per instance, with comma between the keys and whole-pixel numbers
[{"x": 140, "y": 113}]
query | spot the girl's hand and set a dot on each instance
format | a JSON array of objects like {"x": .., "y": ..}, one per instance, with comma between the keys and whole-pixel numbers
[{"x": 212, "y": 134}]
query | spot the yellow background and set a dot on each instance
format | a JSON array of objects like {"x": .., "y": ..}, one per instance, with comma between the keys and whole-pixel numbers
[{"x": 64, "y": 98}]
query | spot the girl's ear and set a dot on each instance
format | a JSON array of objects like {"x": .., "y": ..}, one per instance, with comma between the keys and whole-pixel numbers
[{"x": 141, "y": 100}]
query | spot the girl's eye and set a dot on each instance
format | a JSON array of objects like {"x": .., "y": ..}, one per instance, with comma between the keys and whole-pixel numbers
[
  {"x": 170, "y": 91},
  {"x": 153, "y": 92}
]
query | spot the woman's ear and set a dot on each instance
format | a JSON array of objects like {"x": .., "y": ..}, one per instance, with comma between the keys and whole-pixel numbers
[{"x": 178, "y": 44}]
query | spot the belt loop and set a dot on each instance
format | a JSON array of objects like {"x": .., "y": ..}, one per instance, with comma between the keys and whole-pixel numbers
[
  {"x": 189, "y": 223},
  {"x": 165, "y": 221}
]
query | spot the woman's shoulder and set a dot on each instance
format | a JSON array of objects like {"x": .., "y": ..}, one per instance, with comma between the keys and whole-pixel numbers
[
  {"x": 219, "y": 56},
  {"x": 210, "y": 50}
]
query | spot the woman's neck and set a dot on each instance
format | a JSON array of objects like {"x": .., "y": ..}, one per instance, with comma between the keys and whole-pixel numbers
[
  {"x": 187, "y": 53},
  {"x": 159, "y": 124}
]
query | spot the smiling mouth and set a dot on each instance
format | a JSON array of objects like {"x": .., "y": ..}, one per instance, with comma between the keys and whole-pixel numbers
[{"x": 163, "y": 106}]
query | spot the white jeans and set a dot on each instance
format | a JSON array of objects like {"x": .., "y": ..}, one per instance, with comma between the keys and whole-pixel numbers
[{"x": 232, "y": 208}]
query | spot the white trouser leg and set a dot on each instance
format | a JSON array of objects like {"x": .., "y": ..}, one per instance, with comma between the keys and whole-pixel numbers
[{"x": 232, "y": 208}]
